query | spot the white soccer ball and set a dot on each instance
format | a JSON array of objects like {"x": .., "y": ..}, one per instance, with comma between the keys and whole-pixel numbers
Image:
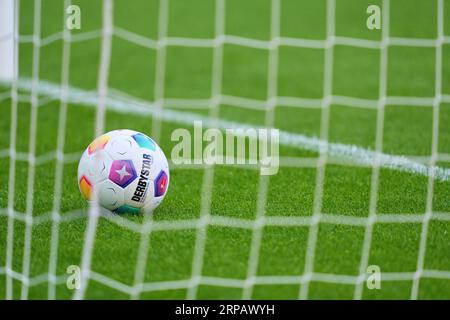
[{"x": 128, "y": 171}]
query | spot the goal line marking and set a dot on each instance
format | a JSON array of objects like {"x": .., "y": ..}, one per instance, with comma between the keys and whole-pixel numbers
[{"x": 126, "y": 104}]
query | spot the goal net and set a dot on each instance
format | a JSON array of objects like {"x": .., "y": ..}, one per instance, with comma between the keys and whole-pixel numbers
[{"x": 359, "y": 208}]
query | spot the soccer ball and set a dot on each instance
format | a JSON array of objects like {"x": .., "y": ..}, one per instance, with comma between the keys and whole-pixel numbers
[{"x": 128, "y": 171}]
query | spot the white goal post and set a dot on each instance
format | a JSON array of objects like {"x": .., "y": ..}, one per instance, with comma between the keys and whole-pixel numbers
[{"x": 6, "y": 40}]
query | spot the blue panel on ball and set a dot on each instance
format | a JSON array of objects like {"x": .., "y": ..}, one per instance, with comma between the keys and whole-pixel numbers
[
  {"x": 144, "y": 142},
  {"x": 127, "y": 209},
  {"x": 161, "y": 183}
]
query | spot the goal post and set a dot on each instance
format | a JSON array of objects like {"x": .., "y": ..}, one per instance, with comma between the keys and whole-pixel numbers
[{"x": 6, "y": 40}]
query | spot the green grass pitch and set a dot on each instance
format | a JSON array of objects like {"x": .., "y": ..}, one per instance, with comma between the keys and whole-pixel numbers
[{"x": 407, "y": 131}]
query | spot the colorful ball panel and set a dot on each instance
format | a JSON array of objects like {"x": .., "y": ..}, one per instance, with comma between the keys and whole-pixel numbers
[
  {"x": 85, "y": 188},
  {"x": 122, "y": 172},
  {"x": 161, "y": 184},
  {"x": 99, "y": 143}
]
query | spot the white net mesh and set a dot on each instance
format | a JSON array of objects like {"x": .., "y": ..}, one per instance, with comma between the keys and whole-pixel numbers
[{"x": 41, "y": 91}]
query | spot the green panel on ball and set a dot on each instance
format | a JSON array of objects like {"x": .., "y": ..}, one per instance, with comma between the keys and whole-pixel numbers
[{"x": 127, "y": 209}]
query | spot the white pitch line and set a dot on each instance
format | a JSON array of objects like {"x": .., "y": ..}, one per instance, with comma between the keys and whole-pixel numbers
[{"x": 359, "y": 155}]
